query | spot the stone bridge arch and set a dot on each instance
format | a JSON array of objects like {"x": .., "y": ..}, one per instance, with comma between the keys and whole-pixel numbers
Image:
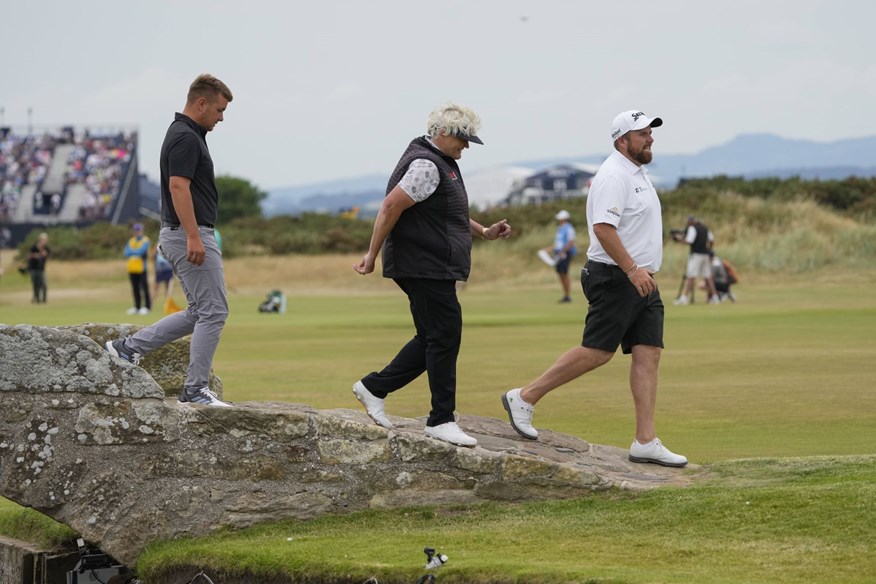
[{"x": 104, "y": 447}]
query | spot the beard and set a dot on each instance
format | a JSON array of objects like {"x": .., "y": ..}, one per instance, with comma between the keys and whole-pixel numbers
[{"x": 642, "y": 156}]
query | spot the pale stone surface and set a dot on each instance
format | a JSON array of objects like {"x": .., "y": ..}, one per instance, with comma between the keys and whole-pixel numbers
[{"x": 92, "y": 442}]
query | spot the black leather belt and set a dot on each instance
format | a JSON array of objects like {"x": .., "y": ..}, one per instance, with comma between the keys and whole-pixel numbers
[
  {"x": 591, "y": 265},
  {"x": 175, "y": 226}
]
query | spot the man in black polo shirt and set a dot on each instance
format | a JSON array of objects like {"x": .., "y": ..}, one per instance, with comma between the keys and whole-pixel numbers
[{"x": 189, "y": 209}]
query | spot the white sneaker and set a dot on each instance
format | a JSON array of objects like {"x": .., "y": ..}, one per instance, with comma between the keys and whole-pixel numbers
[
  {"x": 373, "y": 405},
  {"x": 143, "y": 310},
  {"x": 681, "y": 300},
  {"x": 450, "y": 432},
  {"x": 202, "y": 396},
  {"x": 132, "y": 310},
  {"x": 656, "y": 453},
  {"x": 519, "y": 414},
  {"x": 715, "y": 300}
]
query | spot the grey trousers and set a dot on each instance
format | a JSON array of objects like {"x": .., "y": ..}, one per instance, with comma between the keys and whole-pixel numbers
[{"x": 207, "y": 309}]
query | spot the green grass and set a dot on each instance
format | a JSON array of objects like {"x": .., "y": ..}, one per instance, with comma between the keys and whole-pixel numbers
[
  {"x": 28, "y": 525},
  {"x": 768, "y": 520},
  {"x": 786, "y": 372}
]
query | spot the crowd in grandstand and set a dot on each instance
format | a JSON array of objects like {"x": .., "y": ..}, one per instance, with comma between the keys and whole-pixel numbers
[
  {"x": 24, "y": 160},
  {"x": 97, "y": 161}
]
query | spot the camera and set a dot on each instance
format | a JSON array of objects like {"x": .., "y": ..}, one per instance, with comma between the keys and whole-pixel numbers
[
  {"x": 433, "y": 559},
  {"x": 95, "y": 567},
  {"x": 677, "y": 234}
]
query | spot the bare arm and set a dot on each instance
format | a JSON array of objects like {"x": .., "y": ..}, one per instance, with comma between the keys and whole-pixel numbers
[
  {"x": 642, "y": 279},
  {"x": 494, "y": 231},
  {"x": 396, "y": 202},
  {"x": 181, "y": 194}
]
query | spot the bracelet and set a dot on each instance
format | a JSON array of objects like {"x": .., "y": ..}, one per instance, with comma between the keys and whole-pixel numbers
[
  {"x": 484, "y": 233},
  {"x": 632, "y": 270}
]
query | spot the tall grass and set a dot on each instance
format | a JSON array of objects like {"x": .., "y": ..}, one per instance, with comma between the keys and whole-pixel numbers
[{"x": 755, "y": 235}]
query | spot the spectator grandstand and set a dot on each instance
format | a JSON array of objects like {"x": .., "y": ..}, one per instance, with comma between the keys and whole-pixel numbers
[{"x": 67, "y": 176}]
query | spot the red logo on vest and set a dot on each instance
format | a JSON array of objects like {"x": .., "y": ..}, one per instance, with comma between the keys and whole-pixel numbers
[{"x": 452, "y": 175}]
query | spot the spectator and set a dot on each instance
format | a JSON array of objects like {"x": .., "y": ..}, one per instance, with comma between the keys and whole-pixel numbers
[
  {"x": 563, "y": 251},
  {"x": 699, "y": 264},
  {"x": 36, "y": 265},
  {"x": 724, "y": 275},
  {"x": 163, "y": 274},
  {"x": 137, "y": 252}
]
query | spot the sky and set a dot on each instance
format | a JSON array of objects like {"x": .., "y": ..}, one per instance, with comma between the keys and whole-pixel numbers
[{"x": 333, "y": 89}]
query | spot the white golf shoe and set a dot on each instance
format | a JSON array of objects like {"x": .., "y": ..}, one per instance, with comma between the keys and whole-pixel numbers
[
  {"x": 654, "y": 452},
  {"x": 450, "y": 432},
  {"x": 519, "y": 414},
  {"x": 373, "y": 405}
]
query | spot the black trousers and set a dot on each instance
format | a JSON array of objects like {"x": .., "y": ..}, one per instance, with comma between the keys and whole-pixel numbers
[
  {"x": 434, "y": 349},
  {"x": 140, "y": 286},
  {"x": 40, "y": 289}
]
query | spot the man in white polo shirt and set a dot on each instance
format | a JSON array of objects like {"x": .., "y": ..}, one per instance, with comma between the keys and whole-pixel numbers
[{"x": 626, "y": 249}]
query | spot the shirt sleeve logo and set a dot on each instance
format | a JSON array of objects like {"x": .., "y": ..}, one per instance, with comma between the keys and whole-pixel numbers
[{"x": 614, "y": 211}]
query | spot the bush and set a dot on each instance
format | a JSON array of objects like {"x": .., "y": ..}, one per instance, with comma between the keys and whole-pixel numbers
[
  {"x": 770, "y": 224},
  {"x": 99, "y": 241}
]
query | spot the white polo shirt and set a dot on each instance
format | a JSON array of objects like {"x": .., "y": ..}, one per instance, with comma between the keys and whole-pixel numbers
[{"x": 622, "y": 195}]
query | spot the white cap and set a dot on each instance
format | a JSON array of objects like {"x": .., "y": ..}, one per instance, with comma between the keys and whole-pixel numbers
[
  {"x": 563, "y": 215},
  {"x": 632, "y": 120}
]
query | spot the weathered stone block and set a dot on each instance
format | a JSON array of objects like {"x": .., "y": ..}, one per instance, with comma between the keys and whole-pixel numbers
[{"x": 90, "y": 441}]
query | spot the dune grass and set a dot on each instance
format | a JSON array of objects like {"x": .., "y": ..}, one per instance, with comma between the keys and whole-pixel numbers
[{"x": 786, "y": 372}]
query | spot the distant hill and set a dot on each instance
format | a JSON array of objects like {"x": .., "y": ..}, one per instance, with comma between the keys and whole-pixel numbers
[
  {"x": 325, "y": 196},
  {"x": 748, "y": 155}
]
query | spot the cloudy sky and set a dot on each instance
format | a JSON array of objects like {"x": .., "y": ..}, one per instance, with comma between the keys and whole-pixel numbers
[{"x": 329, "y": 89}]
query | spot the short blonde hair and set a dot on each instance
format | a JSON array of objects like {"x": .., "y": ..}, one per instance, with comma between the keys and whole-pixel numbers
[
  {"x": 453, "y": 120},
  {"x": 206, "y": 85}
]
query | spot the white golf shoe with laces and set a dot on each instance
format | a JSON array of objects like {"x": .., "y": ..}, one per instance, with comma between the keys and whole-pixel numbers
[
  {"x": 452, "y": 433},
  {"x": 373, "y": 405},
  {"x": 655, "y": 453},
  {"x": 519, "y": 414}
]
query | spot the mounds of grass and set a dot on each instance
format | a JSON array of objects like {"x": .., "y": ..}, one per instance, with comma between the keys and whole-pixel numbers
[{"x": 28, "y": 525}]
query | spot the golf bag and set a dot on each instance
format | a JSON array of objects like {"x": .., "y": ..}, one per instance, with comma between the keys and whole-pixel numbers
[
  {"x": 724, "y": 276},
  {"x": 274, "y": 302}
]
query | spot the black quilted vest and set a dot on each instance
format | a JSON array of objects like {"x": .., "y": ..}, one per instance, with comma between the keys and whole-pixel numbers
[{"x": 432, "y": 239}]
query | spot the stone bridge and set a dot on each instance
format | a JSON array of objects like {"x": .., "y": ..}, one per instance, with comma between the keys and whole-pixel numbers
[{"x": 104, "y": 447}]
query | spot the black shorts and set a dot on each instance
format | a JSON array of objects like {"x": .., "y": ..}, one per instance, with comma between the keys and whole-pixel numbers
[
  {"x": 163, "y": 276},
  {"x": 617, "y": 314},
  {"x": 562, "y": 266}
]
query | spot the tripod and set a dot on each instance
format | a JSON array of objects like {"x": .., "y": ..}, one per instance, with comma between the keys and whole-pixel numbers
[{"x": 681, "y": 286}]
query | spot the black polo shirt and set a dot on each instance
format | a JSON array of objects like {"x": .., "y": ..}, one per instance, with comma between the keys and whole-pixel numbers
[{"x": 185, "y": 153}]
